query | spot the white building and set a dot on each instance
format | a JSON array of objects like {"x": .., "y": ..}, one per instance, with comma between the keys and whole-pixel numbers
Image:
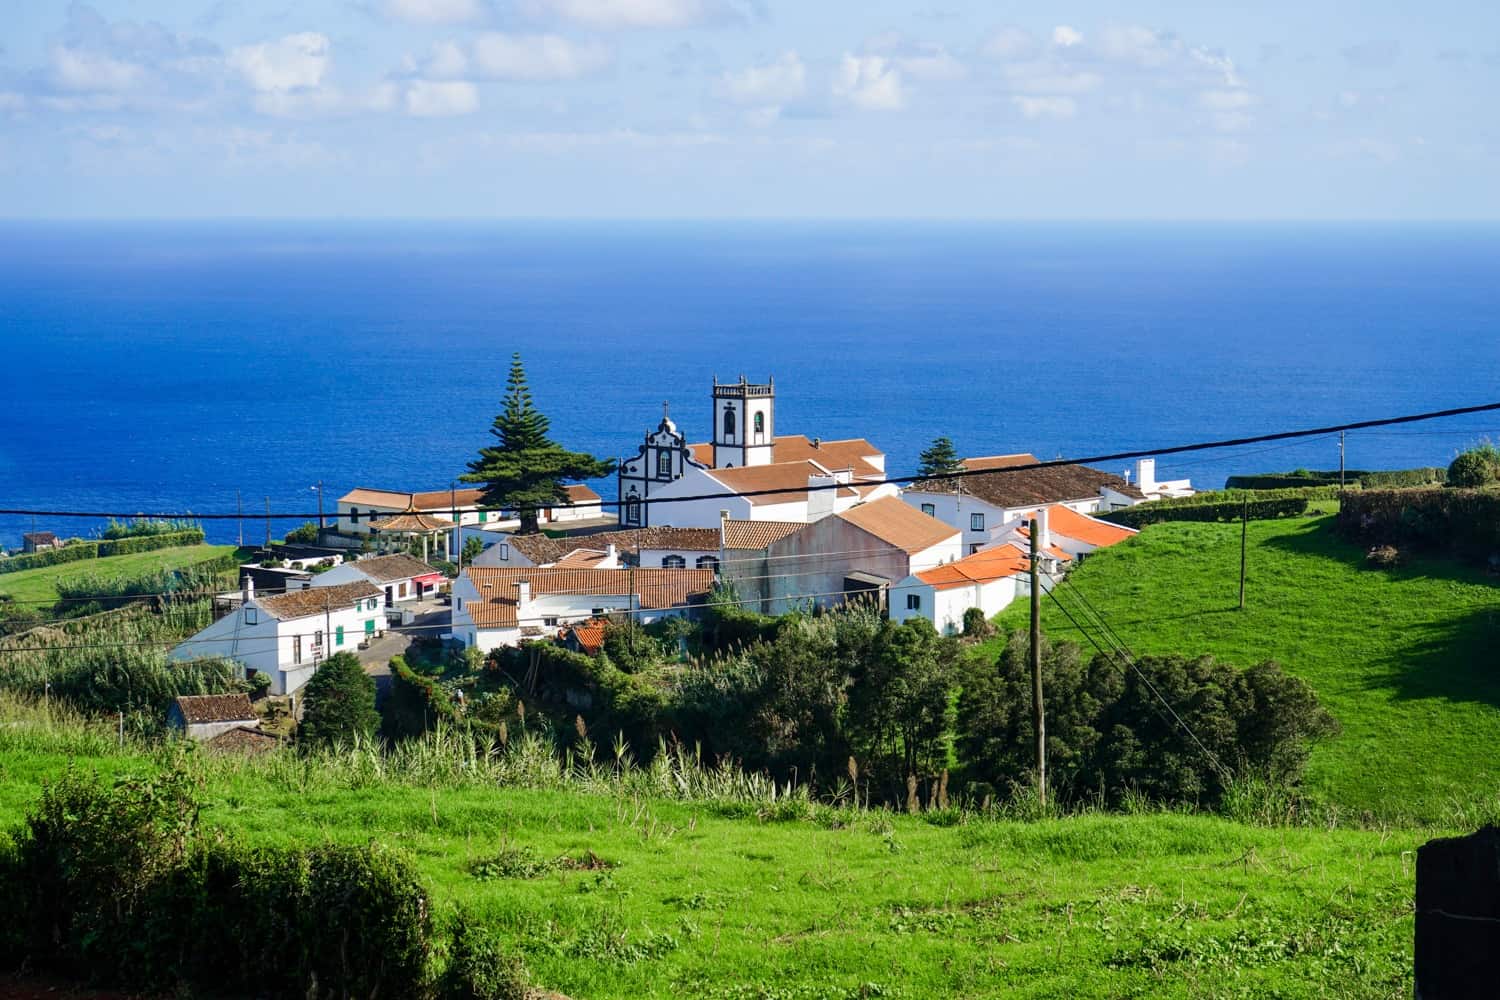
[
  {"x": 670, "y": 548},
  {"x": 988, "y": 580},
  {"x": 495, "y": 606},
  {"x": 745, "y": 456},
  {"x": 204, "y": 716},
  {"x": 286, "y": 636},
  {"x": 359, "y": 507},
  {"x": 1065, "y": 529},
  {"x": 400, "y": 577},
  {"x": 1001, "y": 493}
]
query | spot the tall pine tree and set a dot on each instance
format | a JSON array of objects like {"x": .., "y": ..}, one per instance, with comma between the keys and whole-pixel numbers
[
  {"x": 940, "y": 459},
  {"x": 526, "y": 470}
]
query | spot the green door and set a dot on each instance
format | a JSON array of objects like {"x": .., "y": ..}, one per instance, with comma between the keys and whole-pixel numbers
[
  {"x": 338, "y": 636},
  {"x": 369, "y": 627}
]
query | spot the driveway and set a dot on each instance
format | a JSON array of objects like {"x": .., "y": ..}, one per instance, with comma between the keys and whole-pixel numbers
[{"x": 431, "y": 619}]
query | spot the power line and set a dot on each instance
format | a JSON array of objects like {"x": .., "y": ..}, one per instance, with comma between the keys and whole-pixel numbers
[{"x": 894, "y": 480}]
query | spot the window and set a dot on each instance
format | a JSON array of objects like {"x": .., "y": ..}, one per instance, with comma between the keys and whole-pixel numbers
[
  {"x": 403, "y": 590},
  {"x": 460, "y": 604},
  {"x": 505, "y": 551},
  {"x": 632, "y": 511},
  {"x": 760, "y": 423},
  {"x": 597, "y": 611},
  {"x": 973, "y": 548},
  {"x": 913, "y": 602},
  {"x": 252, "y": 616},
  {"x": 484, "y": 516},
  {"x": 976, "y": 522},
  {"x": 707, "y": 562},
  {"x": 729, "y": 427},
  {"x": 663, "y": 464},
  {"x": 550, "y": 622},
  {"x": 674, "y": 562},
  {"x": 338, "y": 636},
  {"x": 929, "y": 509},
  {"x": 371, "y": 603},
  {"x": 317, "y": 642},
  {"x": 353, "y": 515},
  {"x": 296, "y": 649}
]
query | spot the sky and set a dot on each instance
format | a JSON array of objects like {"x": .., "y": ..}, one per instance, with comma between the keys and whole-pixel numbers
[{"x": 1142, "y": 109}]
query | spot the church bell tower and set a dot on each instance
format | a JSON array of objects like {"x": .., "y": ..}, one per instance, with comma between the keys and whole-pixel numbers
[{"x": 744, "y": 423}]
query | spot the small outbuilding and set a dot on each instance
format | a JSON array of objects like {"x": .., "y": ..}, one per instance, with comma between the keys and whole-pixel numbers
[
  {"x": 39, "y": 541},
  {"x": 206, "y": 716}
]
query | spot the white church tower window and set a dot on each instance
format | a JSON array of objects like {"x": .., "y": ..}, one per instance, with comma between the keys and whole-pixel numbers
[{"x": 744, "y": 423}]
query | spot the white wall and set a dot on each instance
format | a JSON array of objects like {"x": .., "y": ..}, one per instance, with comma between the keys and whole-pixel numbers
[
  {"x": 653, "y": 558},
  {"x": 705, "y": 513},
  {"x": 945, "y": 608}
]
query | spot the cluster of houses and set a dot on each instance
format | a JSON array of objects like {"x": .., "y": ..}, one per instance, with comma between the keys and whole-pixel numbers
[{"x": 772, "y": 522}]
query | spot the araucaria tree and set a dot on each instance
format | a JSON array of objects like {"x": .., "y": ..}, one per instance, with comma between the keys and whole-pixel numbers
[
  {"x": 939, "y": 459},
  {"x": 339, "y": 703},
  {"x": 526, "y": 471}
]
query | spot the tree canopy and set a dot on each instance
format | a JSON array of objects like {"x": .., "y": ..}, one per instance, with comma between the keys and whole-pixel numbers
[
  {"x": 526, "y": 470},
  {"x": 339, "y": 702},
  {"x": 939, "y": 459}
]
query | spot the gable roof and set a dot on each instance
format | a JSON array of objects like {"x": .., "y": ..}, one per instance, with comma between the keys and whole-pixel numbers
[
  {"x": 411, "y": 521},
  {"x": 1069, "y": 523},
  {"x": 1004, "y": 485},
  {"x": 441, "y": 500},
  {"x": 400, "y": 566},
  {"x": 656, "y": 588},
  {"x": 315, "y": 600},
  {"x": 849, "y": 453},
  {"x": 788, "y": 480},
  {"x": 757, "y": 534},
  {"x": 38, "y": 537},
  {"x": 579, "y": 493},
  {"x": 1000, "y": 461},
  {"x": 545, "y": 550},
  {"x": 583, "y": 558},
  {"x": 200, "y": 708},
  {"x": 244, "y": 739},
  {"x": 984, "y": 566},
  {"x": 588, "y": 635},
  {"x": 898, "y": 523}
]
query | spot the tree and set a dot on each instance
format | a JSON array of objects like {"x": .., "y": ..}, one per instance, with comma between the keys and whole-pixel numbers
[
  {"x": 939, "y": 460},
  {"x": 305, "y": 535},
  {"x": 1479, "y": 466},
  {"x": 339, "y": 702},
  {"x": 526, "y": 470}
]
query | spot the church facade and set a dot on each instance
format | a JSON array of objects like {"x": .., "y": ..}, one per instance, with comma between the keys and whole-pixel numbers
[{"x": 663, "y": 458}]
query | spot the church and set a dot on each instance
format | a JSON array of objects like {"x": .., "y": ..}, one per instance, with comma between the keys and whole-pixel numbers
[{"x": 769, "y": 477}]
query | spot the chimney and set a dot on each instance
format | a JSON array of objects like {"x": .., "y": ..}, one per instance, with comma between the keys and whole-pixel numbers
[
  {"x": 1044, "y": 528},
  {"x": 611, "y": 554},
  {"x": 817, "y": 442},
  {"x": 247, "y": 588},
  {"x": 1145, "y": 474},
  {"x": 523, "y": 594}
]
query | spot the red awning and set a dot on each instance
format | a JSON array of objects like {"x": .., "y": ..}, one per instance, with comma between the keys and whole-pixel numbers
[{"x": 428, "y": 578}]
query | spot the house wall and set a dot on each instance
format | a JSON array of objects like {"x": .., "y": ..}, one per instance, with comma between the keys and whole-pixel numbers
[
  {"x": 574, "y": 512},
  {"x": 294, "y": 675},
  {"x": 705, "y": 513},
  {"x": 955, "y": 510},
  {"x": 208, "y": 730},
  {"x": 466, "y": 515},
  {"x": 945, "y": 608},
  {"x": 351, "y": 573},
  {"x": 650, "y": 558},
  {"x": 815, "y": 561}
]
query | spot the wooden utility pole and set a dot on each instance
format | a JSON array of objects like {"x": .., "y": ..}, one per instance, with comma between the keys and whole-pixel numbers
[
  {"x": 1038, "y": 718},
  {"x": 1341, "y": 461},
  {"x": 1244, "y": 535},
  {"x": 268, "y": 522},
  {"x": 239, "y": 510}
]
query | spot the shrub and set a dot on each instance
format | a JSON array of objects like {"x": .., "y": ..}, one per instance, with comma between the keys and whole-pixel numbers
[
  {"x": 976, "y": 625},
  {"x": 304, "y": 534},
  {"x": 479, "y": 968},
  {"x": 415, "y": 703},
  {"x": 339, "y": 703},
  {"x": 147, "y": 526},
  {"x": 1214, "y": 507},
  {"x": 1383, "y": 557},
  {"x": 1479, "y": 466},
  {"x": 1460, "y": 522}
]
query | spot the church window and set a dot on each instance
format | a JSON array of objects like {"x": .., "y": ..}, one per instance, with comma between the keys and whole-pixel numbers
[
  {"x": 673, "y": 562},
  {"x": 760, "y": 423},
  {"x": 633, "y": 510},
  {"x": 708, "y": 562},
  {"x": 663, "y": 464},
  {"x": 729, "y": 426}
]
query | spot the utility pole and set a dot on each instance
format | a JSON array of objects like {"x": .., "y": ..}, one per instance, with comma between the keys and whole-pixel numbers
[
  {"x": 458, "y": 531},
  {"x": 239, "y": 511},
  {"x": 268, "y": 522},
  {"x": 1341, "y": 461},
  {"x": 1244, "y": 535},
  {"x": 321, "y": 523},
  {"x": 1038, "y": 719}
]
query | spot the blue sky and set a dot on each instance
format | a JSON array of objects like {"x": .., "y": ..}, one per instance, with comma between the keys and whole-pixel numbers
[{"x": 750, "y": 108}]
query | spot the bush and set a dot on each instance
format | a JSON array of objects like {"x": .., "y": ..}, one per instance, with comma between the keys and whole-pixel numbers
[
  {"x": 147, "y": 526},
  {"x": 305, "y": 534},
  {"x": 339, "y": 703},
  {"x": 415, "y": 705},
  {"x": 976, "y": 625},
  {"x": 1479, "y": 466},
  {"x": 1383, "y": 557},
  {"x": 1459, "y": 522},
  {"x": 1213, "y": 507},
  {"x": 1353, "y": 479},
  {"x": 74, "y": 551},
  {"x": 479, "y": 968},
  {"x": 120, "y": 881}
]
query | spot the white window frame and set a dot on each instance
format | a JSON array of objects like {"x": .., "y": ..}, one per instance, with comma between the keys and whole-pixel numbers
[
  {"x": 913, "y": 602},
  {"x": 976, "y": 521}
]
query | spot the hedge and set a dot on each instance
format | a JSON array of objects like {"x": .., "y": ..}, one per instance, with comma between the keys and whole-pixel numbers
[
  {"x": 1465, "y": 523},
  {"x": 100, "y": 550},
  {"x": 1223, "y": 505},
  {"x": 1353, "y": 479},
  {"x": 415, "y": 703}
]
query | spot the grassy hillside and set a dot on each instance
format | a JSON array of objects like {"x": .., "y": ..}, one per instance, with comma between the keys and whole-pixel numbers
[
  {"x": 1408, "y": 660},
  {"x": 32, "y": 585},
  {"x": 733, "y": 900}
]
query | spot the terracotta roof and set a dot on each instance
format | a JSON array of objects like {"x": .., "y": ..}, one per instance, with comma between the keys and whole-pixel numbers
[
  {"x": 38, "y": 537},
  {"x": 583, "y": 558},
  {"x": 984, "y": 566},
  {"x": 788, "y": 479},
  {"x": 384, "y": 569},
  {"x": 657, "y": 588},
  {"x": 1000, "y": 461},
  {"x": 898, "y": 523},
  {"x": 757, "y": 534},
  {"x": 1090, "y": 530},
  {"x": 1027, "y": 487},
  {"x": 402, "y": 500},
  {"x": 199, "y": 708},
  {"x": 579, "y": 493},
  {"x": 543, "y": 550},
  {"x": 588, "y": 635},
  {"x": 850, "y": 453},
  {"x": 243, "y": 739},
  {"x": 1051, "y": 550},
  {"x": 412, "y": 521},
  {"x": 316, "y": 600}
]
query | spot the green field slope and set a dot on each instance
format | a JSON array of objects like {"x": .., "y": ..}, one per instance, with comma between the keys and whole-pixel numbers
[
  {"x": 1407, "y": 660},
  {"x": 705, "y": 900},
  {"x": 35, "y": 585}
]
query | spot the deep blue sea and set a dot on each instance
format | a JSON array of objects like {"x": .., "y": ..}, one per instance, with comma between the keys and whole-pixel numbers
[{"x": 164, "y": 366}]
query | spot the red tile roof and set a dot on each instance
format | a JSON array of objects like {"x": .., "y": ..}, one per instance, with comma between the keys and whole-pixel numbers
[
  {"x": 316, "y": 600},
  {"x": 657, "y": 588},
  {"x": 787, "y": 479},
  {"x": 757, "y": 534},
  {"x": 588, "y": 635},
  {"x": 850, "y": 453},
  {"x": 898, "y": 523},
  {"x": 1069, "y": 523},
  {"x": 201, "y": 708},
  {"x": 1005, "y": 488},
  {"x": 984, "y": 566}
]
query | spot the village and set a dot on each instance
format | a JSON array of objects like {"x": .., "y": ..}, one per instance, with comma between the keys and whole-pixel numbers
[{"x": 773, "y": 523}]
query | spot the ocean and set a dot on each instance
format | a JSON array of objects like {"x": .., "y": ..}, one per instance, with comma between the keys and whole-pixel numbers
[{"x": 163, "y": 367}]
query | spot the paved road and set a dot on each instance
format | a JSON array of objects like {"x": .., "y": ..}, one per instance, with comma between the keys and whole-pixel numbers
[{"x": 377, "y": 658}]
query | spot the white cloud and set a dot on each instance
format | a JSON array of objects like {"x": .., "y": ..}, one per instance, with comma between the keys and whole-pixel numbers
[
  {"x": 768, "y": 85},
  {"x": 83, "y": 71},
  {"x": 1140, "y": 45},
  {"x": 608, "y": 14},
  {"x": 536, "y": 57},
  {"x": 1009, "y": 43},
  {"x": 1045, "y": 107},
  {"x": 1226, "y": 100},
  {"x": 869, "y": 82},
  {"x": 1050, "y": 78},
  {"x": 441, "y": 98},
  {"x": 321, "y": 102},
  {"x": 290, "y": 63},
  {"x": 918, "y": 60},
  {"x": 434, "y": 11},
  {"x": 1065, "y": 37},
  {"x": 447, "y": 59}
]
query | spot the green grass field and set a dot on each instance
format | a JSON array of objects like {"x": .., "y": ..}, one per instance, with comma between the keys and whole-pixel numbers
[
  {"x": 1408, "y": 660},
  {"x": 39, "y": 585},
  {"x": 712, "y": 901}
]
